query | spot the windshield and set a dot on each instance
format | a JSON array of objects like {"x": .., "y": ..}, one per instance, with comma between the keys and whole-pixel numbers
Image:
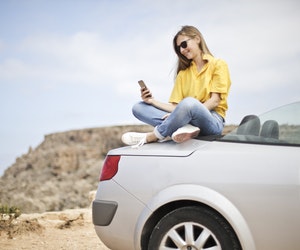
[{"x": 279, "y": 126}]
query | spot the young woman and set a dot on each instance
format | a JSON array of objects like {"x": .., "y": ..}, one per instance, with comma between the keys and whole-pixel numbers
[{"x": 198, "y": 102}]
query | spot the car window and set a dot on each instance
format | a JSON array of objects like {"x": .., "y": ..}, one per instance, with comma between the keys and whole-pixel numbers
[{"x": 279, "y": 126}]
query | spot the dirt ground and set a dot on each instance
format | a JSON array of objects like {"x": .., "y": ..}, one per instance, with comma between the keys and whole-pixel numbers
[{"x": 70, "y": 229}]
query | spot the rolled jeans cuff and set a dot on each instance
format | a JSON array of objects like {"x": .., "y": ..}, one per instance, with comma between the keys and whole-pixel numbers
[{"x": 157, "y": 134}]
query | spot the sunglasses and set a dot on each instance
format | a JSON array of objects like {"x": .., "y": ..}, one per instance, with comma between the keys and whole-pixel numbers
[{"x": 183, "y": 44}]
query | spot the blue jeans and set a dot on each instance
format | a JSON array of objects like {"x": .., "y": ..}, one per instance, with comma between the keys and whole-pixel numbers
[{"x": 188, "y": 111}]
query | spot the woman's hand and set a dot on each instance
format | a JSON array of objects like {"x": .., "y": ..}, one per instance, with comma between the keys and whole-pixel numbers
[
  {"x": 165, "y": 116},
  {"x": 213, "y": 102},
  {"x": 146, "y": 95}
]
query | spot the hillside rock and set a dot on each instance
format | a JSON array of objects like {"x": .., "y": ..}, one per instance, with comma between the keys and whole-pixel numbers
[{"x": 59, "y": 173}]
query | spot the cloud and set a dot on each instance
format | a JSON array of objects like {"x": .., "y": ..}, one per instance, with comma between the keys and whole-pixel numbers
[{"x": 88, "y": 58}]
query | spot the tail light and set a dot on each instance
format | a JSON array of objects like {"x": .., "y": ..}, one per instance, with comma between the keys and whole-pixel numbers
[{"x": 110, "y": 167}]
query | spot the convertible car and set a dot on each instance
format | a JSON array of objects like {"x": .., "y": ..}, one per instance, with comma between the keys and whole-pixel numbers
[{"x": 232, "y": 192}]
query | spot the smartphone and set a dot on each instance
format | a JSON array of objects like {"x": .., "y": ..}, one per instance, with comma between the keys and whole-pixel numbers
[
  {"x": 144, "y": 87},
  {"x": 142, "y": 84}
]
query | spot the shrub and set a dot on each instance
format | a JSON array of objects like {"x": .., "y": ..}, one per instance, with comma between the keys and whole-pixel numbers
[{"x": 8, "y": 212}]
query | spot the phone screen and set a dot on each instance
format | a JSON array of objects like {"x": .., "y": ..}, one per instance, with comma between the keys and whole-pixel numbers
[{"x": 142, "y": 84}]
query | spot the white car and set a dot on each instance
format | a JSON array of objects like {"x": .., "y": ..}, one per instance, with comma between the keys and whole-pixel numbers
[{"x": 239, "y": 191}]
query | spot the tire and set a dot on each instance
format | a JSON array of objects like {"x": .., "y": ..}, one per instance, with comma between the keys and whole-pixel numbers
[{"x": 193, "y": 228}]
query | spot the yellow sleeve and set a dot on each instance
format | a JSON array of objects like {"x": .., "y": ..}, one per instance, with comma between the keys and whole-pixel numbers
[
  {"x": 177, "y": 94},
  {"x": 221, "y": 79}
]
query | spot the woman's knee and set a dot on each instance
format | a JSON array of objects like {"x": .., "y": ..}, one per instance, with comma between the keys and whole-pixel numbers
[
  {"x": 189, "y": 103},
  {"x": 137, "y": 108}
]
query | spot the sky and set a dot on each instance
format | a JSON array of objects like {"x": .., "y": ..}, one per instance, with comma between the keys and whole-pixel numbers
[{"x": 74, "y": 64}]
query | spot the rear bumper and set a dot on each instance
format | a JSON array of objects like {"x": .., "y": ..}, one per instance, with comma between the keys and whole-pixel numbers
[
  {"x": 103, "y": 212},
  {"x": 115, "y": 214}
]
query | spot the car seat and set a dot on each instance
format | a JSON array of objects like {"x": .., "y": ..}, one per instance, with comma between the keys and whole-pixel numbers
[
  {"x": 270, "y": 129},
  {"x": 250, "y": 125}
]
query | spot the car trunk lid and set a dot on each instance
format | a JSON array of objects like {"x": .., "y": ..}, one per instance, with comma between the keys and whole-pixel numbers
[{"x": 168, "y": 148}]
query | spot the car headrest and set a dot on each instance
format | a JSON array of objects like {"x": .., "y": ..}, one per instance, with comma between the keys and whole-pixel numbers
[
  {"x": 250, "y": 125},
  {"x": 270, "y": 129}
]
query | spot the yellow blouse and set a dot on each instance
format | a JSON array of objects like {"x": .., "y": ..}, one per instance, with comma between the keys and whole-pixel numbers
[{"x": 213, "y": 78}]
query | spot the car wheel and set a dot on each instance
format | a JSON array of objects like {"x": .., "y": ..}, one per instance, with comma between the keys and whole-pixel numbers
[{"x": 193, "y": 228}]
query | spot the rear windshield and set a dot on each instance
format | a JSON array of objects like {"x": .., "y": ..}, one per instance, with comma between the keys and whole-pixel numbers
[{"x": 279, "y": 126}]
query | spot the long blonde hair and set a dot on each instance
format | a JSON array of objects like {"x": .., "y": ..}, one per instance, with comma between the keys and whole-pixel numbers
[{"x": 192, "y": 32}]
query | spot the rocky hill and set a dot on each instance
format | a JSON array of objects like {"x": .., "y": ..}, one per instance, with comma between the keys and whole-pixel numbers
[{"x": 60, "y": 172}]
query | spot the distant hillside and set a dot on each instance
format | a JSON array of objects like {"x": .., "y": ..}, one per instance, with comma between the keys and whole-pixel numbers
[{"x": 59, "y": 173}]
